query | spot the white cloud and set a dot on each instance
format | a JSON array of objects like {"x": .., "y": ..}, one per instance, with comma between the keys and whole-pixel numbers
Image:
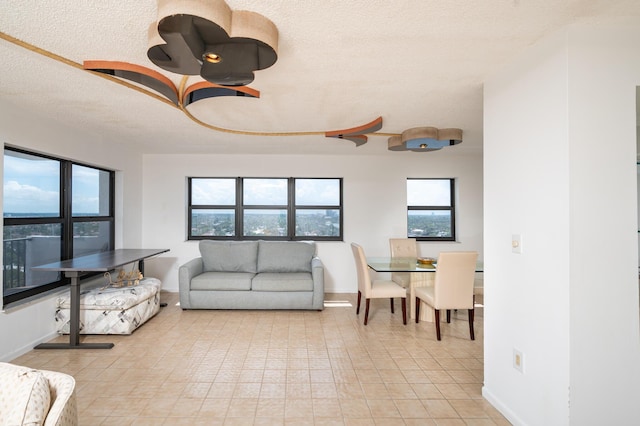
[{"x": 24, "y": 198}]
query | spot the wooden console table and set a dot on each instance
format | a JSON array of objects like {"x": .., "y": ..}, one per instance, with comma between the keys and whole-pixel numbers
[{"x": 74, "y": 269}]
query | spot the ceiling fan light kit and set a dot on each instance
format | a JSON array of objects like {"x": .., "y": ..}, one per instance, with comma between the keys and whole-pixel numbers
[
  {"x": 207, "y": 38},
  {"x": 224, "y": 47},
  {"x": 424, "y": 139}
]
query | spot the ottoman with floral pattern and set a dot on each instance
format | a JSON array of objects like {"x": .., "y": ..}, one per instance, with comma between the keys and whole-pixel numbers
[{"x": 112, "y": 310}]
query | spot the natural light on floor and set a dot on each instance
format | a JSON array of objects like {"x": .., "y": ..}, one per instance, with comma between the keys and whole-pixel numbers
[{"x": 337, "y": 304}]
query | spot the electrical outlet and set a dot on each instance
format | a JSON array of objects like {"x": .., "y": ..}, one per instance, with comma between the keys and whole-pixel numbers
[{"x": 518, "y": 360}]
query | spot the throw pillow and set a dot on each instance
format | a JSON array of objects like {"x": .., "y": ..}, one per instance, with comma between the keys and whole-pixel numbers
[
  {"x": 229, "y": 256},
  {"x": 25, "y": 398},
  {"x": 285, "y": 256}
]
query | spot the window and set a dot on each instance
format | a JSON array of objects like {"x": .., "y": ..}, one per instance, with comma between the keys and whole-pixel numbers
[
  {"x": 265, "y": 208},
  {"x": 53, "y": 210},
  {"x": 431, "y": 209}
]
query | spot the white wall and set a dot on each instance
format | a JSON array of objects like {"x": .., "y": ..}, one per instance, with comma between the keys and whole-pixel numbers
[
  {"x": 559, "y": 168},
  {"x": 374, "y": 202},
  {"x": 24, "y": 326},
  {"x": 151, "y": 204}
]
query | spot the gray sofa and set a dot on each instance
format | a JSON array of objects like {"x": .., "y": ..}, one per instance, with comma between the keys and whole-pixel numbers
[{"x": 253, "y": 275}]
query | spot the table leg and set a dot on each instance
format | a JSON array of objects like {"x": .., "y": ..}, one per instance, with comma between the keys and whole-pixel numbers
[
  {"x": 141, "y": 269},
  {"x": 74, "y": 322}
]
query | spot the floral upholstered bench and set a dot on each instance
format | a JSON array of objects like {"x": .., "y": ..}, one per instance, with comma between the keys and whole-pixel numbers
[{"x": 112, "y": 310}]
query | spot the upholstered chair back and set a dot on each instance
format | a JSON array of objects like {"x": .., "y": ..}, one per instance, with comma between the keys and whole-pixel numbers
[
  {"x": 455, "y": 274},
  {"x": 364, "y": 279},
  {"x": 403, "y": 247}
]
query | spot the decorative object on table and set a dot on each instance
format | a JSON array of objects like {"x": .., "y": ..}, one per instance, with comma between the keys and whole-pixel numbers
[
  {"x": 426, "y": 261},
  {"x": 124, "y": 279}
]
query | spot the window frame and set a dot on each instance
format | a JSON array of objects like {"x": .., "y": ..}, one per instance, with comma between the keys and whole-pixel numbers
[
  {"x": 239, "y": 209},
  {"x": 65, "y": 219},
  {"x": 451, "y": 208}
]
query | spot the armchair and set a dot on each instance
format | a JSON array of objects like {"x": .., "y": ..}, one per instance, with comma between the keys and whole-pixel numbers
[{"x": 29, "y": 396}]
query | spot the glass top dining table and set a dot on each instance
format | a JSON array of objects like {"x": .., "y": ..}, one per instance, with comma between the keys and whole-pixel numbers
[
  {"x": 405, "y": 264},
  {"x": 418, "y": 277}
]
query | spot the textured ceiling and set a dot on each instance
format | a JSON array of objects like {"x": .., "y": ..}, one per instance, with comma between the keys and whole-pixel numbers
[{"x": 341, "y": 64}]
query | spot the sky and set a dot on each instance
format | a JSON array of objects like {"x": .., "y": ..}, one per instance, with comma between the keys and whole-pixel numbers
[
  {"x": 272, "y": 191},
  {"x": 32, "y": 185}
]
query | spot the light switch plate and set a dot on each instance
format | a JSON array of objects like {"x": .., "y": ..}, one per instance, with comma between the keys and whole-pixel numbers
[{"x": 516, "y": 243}]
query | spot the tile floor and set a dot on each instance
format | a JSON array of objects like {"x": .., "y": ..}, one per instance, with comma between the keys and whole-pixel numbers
[{"x": 280, "y": 368}]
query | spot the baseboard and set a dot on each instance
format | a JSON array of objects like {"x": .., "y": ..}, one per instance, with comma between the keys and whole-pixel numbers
[
  {"x": 504, "y": 410},
  {"x": 8, "y": 357}
]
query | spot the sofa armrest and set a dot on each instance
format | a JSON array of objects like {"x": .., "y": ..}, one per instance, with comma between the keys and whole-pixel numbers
[
  {"x": 317, "y": 273},
  {"x": 63, "y": 409},
  {"x": 186, "y": 272}
]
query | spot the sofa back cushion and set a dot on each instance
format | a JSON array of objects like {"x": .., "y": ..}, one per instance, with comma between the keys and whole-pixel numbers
[
  {"x": 24, "y": 395},
  {"x": 229, "y": 256},
  {"x": 285, "y": 256}
]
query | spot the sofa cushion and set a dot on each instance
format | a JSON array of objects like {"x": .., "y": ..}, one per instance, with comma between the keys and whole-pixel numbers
[
  {"x": 222, "y": 281},
  {"x": 24, "y": 396},
  {"x": 229, "y": 256},
  {"x": 275, "y": 281},
  {"x": 285, "y": 256}
]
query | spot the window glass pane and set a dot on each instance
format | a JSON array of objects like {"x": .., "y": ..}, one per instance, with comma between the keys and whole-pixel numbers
[
  {"x": 91, "y": 237},
  {"x": 271, "y": 223},
  {"x": 428, "y": 192},
  {"x": 317, "y": 192},
  {"x": 213, "y": 192},
  {"x": 317, "y": 223},
  {"x": 429, "y": 223},
  {"x": 265, "y": 192},
  {"x": 90, "y": 191},
  {"x": 213, "y": 222},
  {"x": 26, "y": 246},
  {"x": 31, "y": 186}
]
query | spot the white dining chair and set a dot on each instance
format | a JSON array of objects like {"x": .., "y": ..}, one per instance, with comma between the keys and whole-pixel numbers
[
  {"x": 452, "y": 289},
  {"x": 375, "y": 289},
  {"x": 403, "y": 248}
]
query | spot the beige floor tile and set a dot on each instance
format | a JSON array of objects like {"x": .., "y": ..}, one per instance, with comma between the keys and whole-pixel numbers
[
  {"x": 327, "y": 408},
  {"x": 273, "y": 390},
  {"x": 354, "y": 408},
  {"x": 452, "y": 391},
  {"x": 411, "y": 409},
  {"x": 383, "y": 408},
  {"x": 298, "y": 408},
  {"x": 440, "y": 409},
  {"x": 426, "y": 391},
  {"x": 280, "y": 368},
  {"x": 214, "y": 408},
  {"x": 298, "y": 390},
  {"x": 375, "y": 391},
  {"x": 270, "y": 408},
  {"x": 324, "y": 390},
  {"x": 450, "y": 422},
  {"x": 242, "y": 407},
  {"x": 400, "y": 391},
  {"x": 349, "y": 391}
]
